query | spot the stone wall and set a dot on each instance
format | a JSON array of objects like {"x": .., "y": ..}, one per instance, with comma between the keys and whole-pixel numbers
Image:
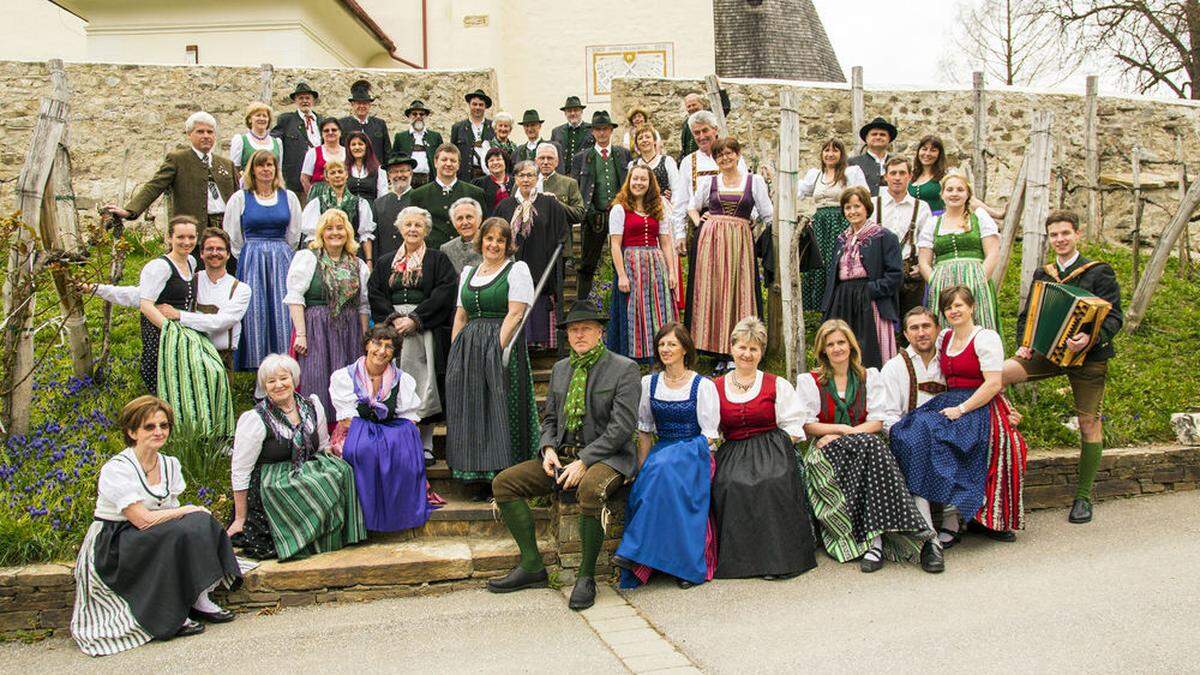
[
  {"x": 141, "y": 109},
  {"x": 825, "y": 110}
]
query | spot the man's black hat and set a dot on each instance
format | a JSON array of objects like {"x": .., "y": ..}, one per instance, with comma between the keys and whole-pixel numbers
[
  {"x": 877, "y": 123},
  {"x": 573, "y": 102},
  {"x": 303, "y": 88},
  {"x": 417, "y": 104},
  {"x": 478, "y": 93},
  {"x": 360, "y": 91},
  {"x": 600, "y": 118},
  {"x": 532, "y": 117},
  {"x": 584, "y": 310},
  {"x": 400, "y": 158}
]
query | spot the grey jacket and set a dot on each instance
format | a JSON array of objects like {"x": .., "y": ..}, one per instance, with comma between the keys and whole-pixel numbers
[{"x": 614, "y": 389}]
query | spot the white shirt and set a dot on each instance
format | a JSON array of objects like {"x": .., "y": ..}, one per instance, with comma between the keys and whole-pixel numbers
[
  {"x": 896, "y": 383},
  {"x": 314, "y": 131},
  {"x": 237, "y": 143},
  {"x": 987, "y": 228},
  {"x": 828, "y": 194},
  {"x": 758, "y": 189},
  {"x": 364, "y": 230},
  {"x": 896, "y": 215},
  {"x": 381, "y": 181},
  {"x": 153, "y": 278},
  {"x": 616, "y": 221},
  {"x": 446, "y": 187},
  {"x": 810, "y": 397},
  {"x": 789, "y": 416},
  {"x": 232, "y": 224},
  {"x": 419, "y": 155},
  {"x": 215, "y": 205},
  {"x": 123, "y": 484},
  {"x": 1062, "y": 266},
  {"x": 989, "y": 348},
  {"x": 708, "y": 404},
  {"x": 248, "y": 441},
  {"x": 230, "y": 308},
  {"x": 310, "y": 159},
  {"x": 345, "y": 403},
  {"x": 300, "y": 274},
  {"x": 520, "y": 282},
  {"x": 681, "y": 193}
]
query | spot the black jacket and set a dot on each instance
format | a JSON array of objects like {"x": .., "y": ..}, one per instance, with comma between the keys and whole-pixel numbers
[
  {"x": 885, "y": 271},
  {"x": 490, "y": 189},
  {"x": 1101, "y": 281},
  {"x": 375, "y": 129},
  {"x": 462, "y": 136},
  {"x": 289, "y": 129}
]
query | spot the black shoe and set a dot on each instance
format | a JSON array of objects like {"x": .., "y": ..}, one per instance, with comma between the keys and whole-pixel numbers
[
  {"x": 518, "y": 580},
  {"x": 584, "y": 594},
  {"x": 189, "y": 627},
  {"x": 623, "y": 563},
  {"x": 1006, "y": 536},
  {"x": 1081, "y": 512},
  {"x": 932, "y": 560},
  {"x": 479, "y": 492},
  {"x": 867, "y": 565},
  {"x": 683, "y": 583},
  {"x": 430, "y": 460},
  {"x": 221, "y": 616}
]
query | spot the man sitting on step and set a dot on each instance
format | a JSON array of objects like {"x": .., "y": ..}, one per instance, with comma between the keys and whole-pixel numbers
[{"x": 587, "y": 446}]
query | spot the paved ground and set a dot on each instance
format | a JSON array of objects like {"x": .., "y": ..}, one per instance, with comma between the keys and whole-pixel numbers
[{"x": 1117, "y": 595}]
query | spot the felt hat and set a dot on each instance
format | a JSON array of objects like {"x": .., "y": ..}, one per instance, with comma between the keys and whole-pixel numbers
[
  {"x": 584, "y": 310},
  {"x": 303, "y": 88},
  {"x": 400, "y": 158},
  {"x": 478, "y": 93},
  {"x": 531, "y": 117},
  {"x": 360, "y": 91},
  {"x": 417, "y": 104},
  {"x": 877, "y": 123},
  {"x": 600, "y": 118},
  {"x": 572, "y": 102}
]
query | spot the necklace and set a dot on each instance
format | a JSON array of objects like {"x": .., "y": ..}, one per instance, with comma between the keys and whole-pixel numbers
[
  {"x": 257, "y": 137},
  {"x": 675, "y": 379},
  {"x": 737, "y": 384},
  {"x": 152, "y": 466}
]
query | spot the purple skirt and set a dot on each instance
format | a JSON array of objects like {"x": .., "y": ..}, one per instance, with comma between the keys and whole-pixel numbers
[
  {"x": 333, "y": 344},
  {"x": 389, "y": 472}
]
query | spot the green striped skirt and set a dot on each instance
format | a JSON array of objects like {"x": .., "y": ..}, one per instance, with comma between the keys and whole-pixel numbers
[
  {"x": 965, "y": 272},
  {"x": 827, "y": 223},
  {"x": 312, "y": 509},
  {"x": 193, "y": 380}
]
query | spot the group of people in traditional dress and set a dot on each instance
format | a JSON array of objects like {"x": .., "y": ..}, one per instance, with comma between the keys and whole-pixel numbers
[{"x": 379, "y": 287}]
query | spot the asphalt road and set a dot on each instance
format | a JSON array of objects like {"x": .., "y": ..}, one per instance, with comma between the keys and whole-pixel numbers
[{"x": 1118, "y": 595}]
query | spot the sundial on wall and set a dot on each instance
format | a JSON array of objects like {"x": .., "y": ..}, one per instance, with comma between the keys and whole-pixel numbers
[{"x": 607, "y": 62}]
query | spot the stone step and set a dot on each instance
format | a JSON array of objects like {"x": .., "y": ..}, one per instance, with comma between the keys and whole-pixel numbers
[{"x": 460, "y": 517}]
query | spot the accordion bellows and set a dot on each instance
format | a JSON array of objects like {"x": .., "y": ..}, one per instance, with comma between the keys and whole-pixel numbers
[{"x": 1058, "y": 312}]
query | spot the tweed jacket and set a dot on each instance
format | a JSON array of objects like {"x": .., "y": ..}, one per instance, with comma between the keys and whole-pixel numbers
[
  {"x": 614, "y": 389},
  {"x": 462, "y": 136},
  {"x": 885, "y": 271},
  {"x": 582, "y": 167},
  {"x": 404, "y": 142},
  {"x": 375, "y": 129},
  {"x": 567, "y": 191},
  {"x": 870, "y": 169},
  {"x": 186, "y": 177},
  {"x": 289, "y": 129}
]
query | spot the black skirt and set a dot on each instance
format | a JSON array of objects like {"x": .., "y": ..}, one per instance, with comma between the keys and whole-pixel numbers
[
  {"x": 851, "y": 302},
  {"x": 761, "y": 510}
]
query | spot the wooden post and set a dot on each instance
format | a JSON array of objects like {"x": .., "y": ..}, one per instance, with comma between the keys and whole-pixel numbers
[
  {"x": 978, "y": 161},
  {"x": 1037, "y": 200},
  {"x": 1137, "y": 213},
  {"x": 60, "y": 232},
  {"x": 714, "y": 103},
  {"x": 1185, "y": 243},
  {"x": 1092, "y": 159},
  {"x": 266, "y": 76},
  {"x": 786, "y": 232},
  {"x": 1008, "y": 230},
  {"x": 857, "y": 102},
  {"x": 1158, "y": 259}
]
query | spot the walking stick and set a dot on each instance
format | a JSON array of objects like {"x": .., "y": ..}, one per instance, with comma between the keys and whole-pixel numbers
[{"x": 536, "y": 292}]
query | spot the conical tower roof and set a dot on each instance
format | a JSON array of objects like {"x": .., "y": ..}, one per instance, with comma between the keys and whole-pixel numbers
[{"x": 779, "y": 39}]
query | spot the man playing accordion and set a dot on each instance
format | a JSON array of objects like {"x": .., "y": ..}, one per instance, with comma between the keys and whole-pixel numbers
[{"x": 1087, "y": 379}]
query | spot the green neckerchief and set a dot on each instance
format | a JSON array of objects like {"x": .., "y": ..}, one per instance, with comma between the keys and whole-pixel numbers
[
  {"x": 340, "y": 278},
  {"x": 577, "y": 391},
  {"x": 841, "y": 406}
]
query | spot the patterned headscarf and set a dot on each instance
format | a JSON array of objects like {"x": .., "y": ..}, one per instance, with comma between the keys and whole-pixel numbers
[{"x": 576, "y": 404}]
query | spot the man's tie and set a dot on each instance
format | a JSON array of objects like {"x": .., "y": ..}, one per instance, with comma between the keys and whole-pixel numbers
[
  {"x": 308, "y": 123},
  {"x": 604, "y": 153}
]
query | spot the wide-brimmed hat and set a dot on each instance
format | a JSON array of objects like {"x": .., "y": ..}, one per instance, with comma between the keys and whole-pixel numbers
[
  {"x": 360, "y": 91},
  {"x": 531, "y": 117},
  {"x": 303, "y": 88},
  {"x": 877, "y": 123},
  {"x": 417, "y": 104},
  {"x": 600, "y": 118},
  {"x": 573, "y": 102},
  {"x": 400, "y": 158},
  {"x": 584, "y": 310},
  {"x": 478, "y": 93}
]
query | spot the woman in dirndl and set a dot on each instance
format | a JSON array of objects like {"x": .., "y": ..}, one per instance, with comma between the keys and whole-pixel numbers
[
  {"x": 376, "y": 434},
  {"x": 961, "y": 447},
  {"x": 291, "y": 497},
  {"x": 256, "y": 137},
  {"x": 491, "y": 416},
  {"x": 327, "y": 299},
  {"x": 334, "y": 193},
  {"x": 862, "y": 279},
  {"x": 178, "y": 363},
  {"x": 961, "y": 247},
  {"x": 668, "y": 526},
  {"x": 825, "y": 186},
  {"x": 724, "y": 286},
  {"x": 539, "y": 223},
  {"x": 758, "y": 496},
  {"x": 147, "y": 564},
  {"x": 647, "y": 152},
  {"x": 263, "y": 223},
  {"x": 367, "y": 180},
  {"x": 312, "y": 170},
  {"x": 640, "y": 237},
  {"x": 499, "y": 182},
  {"x": 854, "y": 484},
  {"x": 929, "y": 168},
  {"x": 412, "y": 290}
]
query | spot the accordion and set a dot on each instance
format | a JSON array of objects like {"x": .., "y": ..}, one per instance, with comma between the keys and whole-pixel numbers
[{"x": 1058, "y": 312}]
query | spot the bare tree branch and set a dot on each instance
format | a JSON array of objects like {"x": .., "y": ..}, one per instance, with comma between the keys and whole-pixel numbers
[{"x": 1012, "y": 41}]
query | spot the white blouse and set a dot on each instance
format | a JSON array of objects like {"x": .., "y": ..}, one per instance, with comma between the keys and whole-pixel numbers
[
  {"x": 708, "y": 403},
  {"x": 248, "y": 441},
  {"x": 310, "y": 159},
  {"x": 300, "y": 274},
  {"x": 987, "y": 228},
  {"x": 238, "y": 141},
  {"x": 681, "y": 194},
  {"x": 789, "y": 416},
  {"x": 762, "y": 198},
  {"x": 123, "y": 484},
  {"x": 828, "y": 194},
  {"x": 155, "y": 274},
  {"x": 223, "y": 328},
  {"x": 345, "y": 403},
  {"x": 520, "y": 282},
  {"x": 988, "y": 347},
  {"x": 616, "y": 220},
  {"x": 810, "y": 397},
  {"x": 896, "y": 383},
  {"x": 672, "y": 169},
  {"x": 381, "y": 181},
  {"x": 364, "y": 230},
  {"x": 236, "y": 206}
]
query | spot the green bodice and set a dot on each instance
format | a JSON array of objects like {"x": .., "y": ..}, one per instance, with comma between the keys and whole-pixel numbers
[
  {"x": 489, "y": 301},
  {"x": 407, "y": 296},
  {"x": 929, "y": 192},
  {"x": 316, "y": 296},
  {"x": 963, "y": 245}
]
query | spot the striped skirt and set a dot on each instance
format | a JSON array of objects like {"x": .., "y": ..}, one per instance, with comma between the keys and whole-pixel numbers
[
  {"x": 266, "y": 328},
  {"x": 334, "y": 342},
  {"x": 192, "y": 378},
  {"x": 313, "y": 509},
  {"x": 966, "y": 272},
  {"x": 725, "y": 284},
  {"x": 858, "y": 493},
  {"x": 637, "y": 315},
  {"x": 827, "y": 223}
]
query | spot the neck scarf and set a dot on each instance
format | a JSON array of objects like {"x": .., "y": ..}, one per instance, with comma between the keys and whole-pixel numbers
[
  {"x": 362, "y": 387},
  {"x": 302, "y": 437},
  {"x": 407, "y": 268},
  {"x": 851, "y": 242},
  {"x": 340, "y": 278},
  {"x": 348, "y": 202},
  {"x": 522, "y": 219},
  {"x": 576, "y": 403},
  {"x": 842, "y": 407}
]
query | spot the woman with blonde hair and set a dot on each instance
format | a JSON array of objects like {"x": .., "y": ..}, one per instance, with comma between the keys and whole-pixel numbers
[
  {"x": 256, "y": 137},
  {"x": 638, "y": 118},
  {"x": 854, "y": 484},
  {"x": 327, "y": 300}
]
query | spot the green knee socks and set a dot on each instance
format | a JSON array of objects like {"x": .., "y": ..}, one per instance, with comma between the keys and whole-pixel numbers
[
  {"x": 1089, "y": 464},
  {"x": 519, "y": 520},
  {"x": 591, "y": 537}
]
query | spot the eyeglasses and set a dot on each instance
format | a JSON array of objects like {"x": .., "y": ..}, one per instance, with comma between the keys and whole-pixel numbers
[
  {"x": 151, "y": 426},
  {"x": 215, "y": 249},
  {"x": 330, "y": 131}
]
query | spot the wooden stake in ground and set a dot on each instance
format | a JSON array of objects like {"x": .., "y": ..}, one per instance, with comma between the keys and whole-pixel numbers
[
  {"x": 1137, "y": 214},
  {"x": 1008, "y": 229},
  {"x": 714, "y": 102},
  {"x": 1185, "y": 241},
  {"x": 786, "y": 233},
  {"x": 978, "y": 161},
  {"x": 1092, "y": 160},
  {"x": 1037, "y": 199},
  {"x": 858, "y": 104},
  {"x": 1158, "y": 259}
]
